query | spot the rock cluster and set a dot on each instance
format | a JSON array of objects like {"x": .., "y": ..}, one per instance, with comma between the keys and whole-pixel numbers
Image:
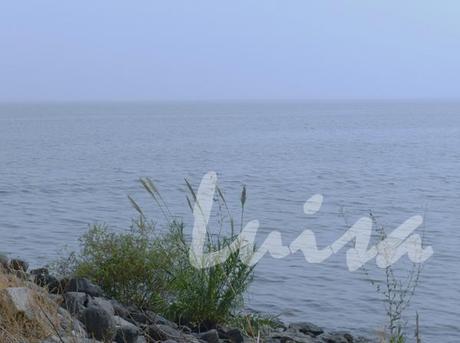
[{"x": 85, "y": 315}]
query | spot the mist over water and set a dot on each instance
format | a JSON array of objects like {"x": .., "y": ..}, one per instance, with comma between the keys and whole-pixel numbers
[{"x": 64, "y": 166}]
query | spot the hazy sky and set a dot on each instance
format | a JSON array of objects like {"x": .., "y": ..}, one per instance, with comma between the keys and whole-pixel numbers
[{"x": 210, "y": 49}]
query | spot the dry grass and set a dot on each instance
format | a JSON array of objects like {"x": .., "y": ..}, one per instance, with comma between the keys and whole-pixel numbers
[{"x": 17, "y": 326}]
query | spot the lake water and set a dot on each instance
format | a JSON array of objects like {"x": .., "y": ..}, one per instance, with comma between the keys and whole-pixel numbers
[{"x": 64, "y": 166}]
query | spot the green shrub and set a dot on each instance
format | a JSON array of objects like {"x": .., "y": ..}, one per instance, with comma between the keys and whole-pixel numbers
[
  {"x": 128, "y": 266},
  {"x": 152, "y": 270}
]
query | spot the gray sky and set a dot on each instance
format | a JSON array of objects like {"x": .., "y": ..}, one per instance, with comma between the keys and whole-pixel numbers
[{"x": 209, "y": 49}]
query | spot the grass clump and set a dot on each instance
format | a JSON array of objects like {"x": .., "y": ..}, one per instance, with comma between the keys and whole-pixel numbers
[
  {"x": 205, "y": 297},
  {"x": 151, "y": 269}
]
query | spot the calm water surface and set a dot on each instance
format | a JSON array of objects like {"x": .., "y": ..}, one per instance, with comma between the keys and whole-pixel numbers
[{"x": 63, "y": 167}]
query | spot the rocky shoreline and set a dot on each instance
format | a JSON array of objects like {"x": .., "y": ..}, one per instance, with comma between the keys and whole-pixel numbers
[{"x": 41, "y": 308}]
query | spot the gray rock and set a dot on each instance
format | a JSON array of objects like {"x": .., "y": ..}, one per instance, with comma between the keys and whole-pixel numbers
[
  {"x": 362, "y": 339},
  {"x": 135, "y": 315},
  {"x": 185, "y": 329},
  {"x": 83, "y": 285},
  {"x": 76, "y": 302},
  {"x": 29, "y": 304},
  {"x": 157, "y": 319},
  {"x": 119, "y": 309},
  {"x": 99, "y": 323},
  {"x": 160, "y": 332},
  {"x": 307, "y": 328},
  {"x": 138, "y": 316},
  {"x": 97, "y": 314},
  {"x": 336, "y": 337},
  {"x": 58, "y": 286},
  {"x": 42, "y": 278},
  {"x": 211, "y": 336},
  {"x": 126, "y": 332},
  {"x": 232, "y": 334},
  {"x": 105, "y": 304},
  {"x": 235, "y": 335},
  {"x": 286, "y": 336},
  {"x": 69, "y": 339},
  {"x": 189, "y": 339},
  {"x": 348, "y": 336},
  {"x": 70, "y": 325},
  {"x": 19, "y": 300},
  {"x": 54, "y": 285}
]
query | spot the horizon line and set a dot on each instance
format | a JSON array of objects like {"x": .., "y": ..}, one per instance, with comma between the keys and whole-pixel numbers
[{"x": 228, "y": 101}]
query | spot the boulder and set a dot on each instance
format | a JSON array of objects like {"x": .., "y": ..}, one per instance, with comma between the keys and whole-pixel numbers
[
  {"x": 185, "y": 329},
  {"x": 211, "y": 336},
  {"x": 105, "y": 304},
  {"x": 287, "y": 336},
  {"x": 307, "y": 328},
  {"x": 345, "y": 334},
  {"x": 362, "y": 339},
  {"x": 125, "y": 331},
  {"x": 336, "y": 337},
  {"x": 58, "y": 287},
  {"x": 69, "y": 339},
  {"x": 188, "y": 339},
  {"x": 42, "y": 278},
  {"x": 157, "y": 319},
  {"x": 235, "y": 335},
  {"x": 83, "y": 285},
  {"x": 232, "y": 334},
  {"x": 160, "y": 332},
  {"x": 76, "y": 302},
  {"x": 19, "y": 300},
  {"x": 29, "y": 308},
  {"x": 137, "y": 316},
  {"x": 119, "y": 309},
  {"x": 70, "y": 325},
  {"x": 99, "y": 323}
]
